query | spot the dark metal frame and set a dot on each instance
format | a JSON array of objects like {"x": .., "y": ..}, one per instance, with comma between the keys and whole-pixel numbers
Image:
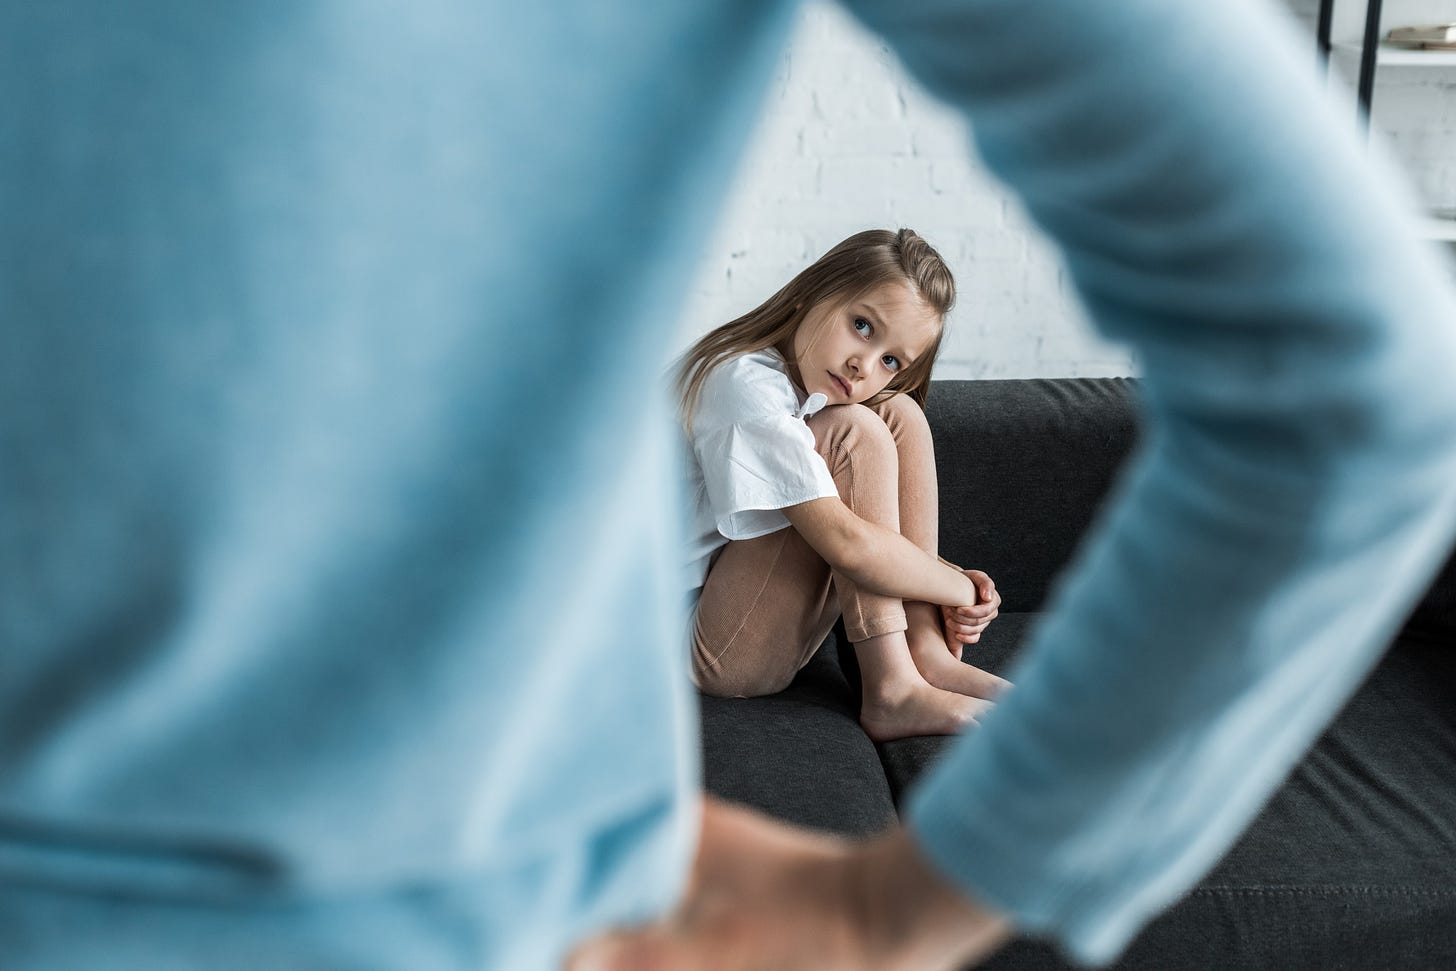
[{"x": 1368, "y": 48}]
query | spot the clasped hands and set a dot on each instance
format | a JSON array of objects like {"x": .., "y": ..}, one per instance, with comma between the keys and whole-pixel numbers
[{"x": 963, "y": 625}]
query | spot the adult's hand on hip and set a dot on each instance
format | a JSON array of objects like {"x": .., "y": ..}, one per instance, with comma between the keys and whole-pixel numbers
[{"x": 767, "y": 895}]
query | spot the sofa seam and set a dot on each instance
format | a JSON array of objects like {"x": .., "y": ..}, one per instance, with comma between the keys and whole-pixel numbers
[{"x": 1371, "y": 890}]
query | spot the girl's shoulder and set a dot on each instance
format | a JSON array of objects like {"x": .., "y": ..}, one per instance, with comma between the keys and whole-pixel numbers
[
  {"x": 765, "y": 365},
  {"x": 746, "y": 387}
]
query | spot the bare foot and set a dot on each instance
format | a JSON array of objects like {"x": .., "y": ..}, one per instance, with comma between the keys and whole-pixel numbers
[
  {"x": 941, "y": 669},
  {"x": 916, "y": 708}
]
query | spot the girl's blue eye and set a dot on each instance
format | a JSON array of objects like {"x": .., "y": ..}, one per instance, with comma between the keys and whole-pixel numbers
[
  {"x": 891, "y": 361},
  {"x": 860, "y": 322}
]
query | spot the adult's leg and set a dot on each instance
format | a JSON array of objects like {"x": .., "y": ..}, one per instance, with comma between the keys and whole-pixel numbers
[{"x": 920, "y": 523}]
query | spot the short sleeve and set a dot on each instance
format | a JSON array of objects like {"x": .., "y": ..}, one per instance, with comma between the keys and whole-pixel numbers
[
  {"x": 753, "y": 449},
  {"x": 755, "y": 468}
]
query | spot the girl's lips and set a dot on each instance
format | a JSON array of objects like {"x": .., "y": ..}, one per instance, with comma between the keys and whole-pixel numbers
[{"x": 839, "y": 383}]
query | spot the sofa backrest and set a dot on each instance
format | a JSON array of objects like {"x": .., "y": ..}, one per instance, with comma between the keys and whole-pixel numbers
[
  {"x": 1023, "y": 467},
  {"x": 1434, "y": 617}
]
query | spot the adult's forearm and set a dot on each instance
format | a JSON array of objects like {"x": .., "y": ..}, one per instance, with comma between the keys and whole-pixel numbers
[{"x": 1294, "y": 489}]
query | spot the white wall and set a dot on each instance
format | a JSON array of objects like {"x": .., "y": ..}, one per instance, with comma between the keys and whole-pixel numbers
[
  {"x": 848, "y": 142},
  {"x": 1414, "y": 108}
]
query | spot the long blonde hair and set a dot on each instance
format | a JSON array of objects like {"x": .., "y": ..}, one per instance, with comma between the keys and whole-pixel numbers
[{"x": 851, "y": 269}]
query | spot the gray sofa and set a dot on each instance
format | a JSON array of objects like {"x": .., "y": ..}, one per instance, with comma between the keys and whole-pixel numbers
[{"x": 1351, "y": 864}]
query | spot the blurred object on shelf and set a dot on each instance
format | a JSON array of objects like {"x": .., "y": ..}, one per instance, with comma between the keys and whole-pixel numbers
[
  {"x": 1439, "y": 224},
  {"x": 1427, "y": 36}
]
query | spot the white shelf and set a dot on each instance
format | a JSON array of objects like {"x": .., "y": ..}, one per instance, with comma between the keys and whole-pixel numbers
[
  {"x": 1431, "y": 227},
  {"x": 1388, "y": 55}
]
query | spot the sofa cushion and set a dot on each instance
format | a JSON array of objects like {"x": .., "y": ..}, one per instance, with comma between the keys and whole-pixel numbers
[
  {"x": 799, "y": 755},
  {"x": 1351, "y": 862},
  {"x": 1434, "y": 617},
  {"x": 1023, "y": 467},
  {"x": 904, "y": 759}
]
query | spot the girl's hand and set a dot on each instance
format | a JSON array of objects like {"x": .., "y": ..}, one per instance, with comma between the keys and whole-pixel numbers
[{"x": 963, "y": 625}]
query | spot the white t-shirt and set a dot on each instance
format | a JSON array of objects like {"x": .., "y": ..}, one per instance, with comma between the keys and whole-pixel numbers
[{"x": 750, "y": 455}]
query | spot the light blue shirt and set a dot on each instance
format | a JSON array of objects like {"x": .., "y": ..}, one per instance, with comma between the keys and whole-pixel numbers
[{"x": 339, "y": 621}]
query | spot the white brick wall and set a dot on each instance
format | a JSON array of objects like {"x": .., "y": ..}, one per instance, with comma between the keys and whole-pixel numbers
[
  {"x": 848, "y": 142},
  {"x": 1413, "y": 108},
  {"x": 1416, "y": 110}
]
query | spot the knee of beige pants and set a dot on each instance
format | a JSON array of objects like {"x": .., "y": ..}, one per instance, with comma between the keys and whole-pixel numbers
[
  {"x": 919, "y": 488},
  {"x": 863, "y": 458}
]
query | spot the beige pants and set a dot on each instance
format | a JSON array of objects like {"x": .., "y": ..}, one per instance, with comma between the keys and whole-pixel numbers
[{"x": 769, "y": 602}]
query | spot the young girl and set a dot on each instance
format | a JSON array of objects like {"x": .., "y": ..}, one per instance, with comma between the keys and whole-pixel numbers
[{"x": 815, "y": 492}]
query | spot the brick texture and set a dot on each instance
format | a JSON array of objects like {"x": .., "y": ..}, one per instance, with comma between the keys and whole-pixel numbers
[{"x": 847, "y": 142}]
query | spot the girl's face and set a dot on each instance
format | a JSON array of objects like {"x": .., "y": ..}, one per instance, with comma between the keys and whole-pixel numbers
[{"x": 852, "y": 351}]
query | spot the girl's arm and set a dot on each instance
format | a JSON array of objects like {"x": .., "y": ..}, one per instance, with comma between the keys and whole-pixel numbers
[{"x": 877, "y": 558}]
